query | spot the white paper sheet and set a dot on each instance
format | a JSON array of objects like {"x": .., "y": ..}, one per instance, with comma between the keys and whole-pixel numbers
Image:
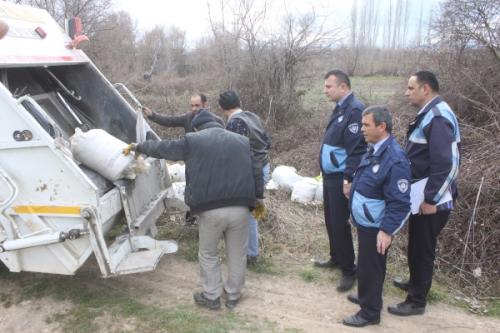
[{"x": 417, "y": 196}]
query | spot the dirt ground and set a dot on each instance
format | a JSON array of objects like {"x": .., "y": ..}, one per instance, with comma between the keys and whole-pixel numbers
[{"x": 290, "y": 302}]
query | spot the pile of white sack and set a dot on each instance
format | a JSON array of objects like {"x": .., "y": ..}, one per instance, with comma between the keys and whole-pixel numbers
[
  {"x": 177, "y": 174},
  {"x": 304, "y": 189}
]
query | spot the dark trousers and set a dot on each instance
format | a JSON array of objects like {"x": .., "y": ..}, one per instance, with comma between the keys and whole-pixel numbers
[
  {"x": 371, "y": 274},
  {"x": 337, "y": 225},
  {"x": 422, "y": 235}
]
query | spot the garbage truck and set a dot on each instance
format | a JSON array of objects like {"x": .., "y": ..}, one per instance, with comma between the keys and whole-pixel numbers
[{"x": 54, "y": 211}]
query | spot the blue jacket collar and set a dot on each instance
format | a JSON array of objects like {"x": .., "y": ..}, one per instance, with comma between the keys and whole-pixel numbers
[
  {"x": 384, "y": 145},
  {"x": 375, "y": 158},
  {"x": 432, "y": 103}
]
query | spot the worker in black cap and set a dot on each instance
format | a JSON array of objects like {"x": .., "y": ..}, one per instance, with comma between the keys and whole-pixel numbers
[{"x": 220, "y": 188}]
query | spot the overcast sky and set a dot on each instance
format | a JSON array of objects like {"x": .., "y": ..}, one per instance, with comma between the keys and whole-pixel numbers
[{"x": 191, "y": 16}]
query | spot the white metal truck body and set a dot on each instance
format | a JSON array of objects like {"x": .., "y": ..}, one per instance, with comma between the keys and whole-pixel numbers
[{"x": 54, "y": 213}]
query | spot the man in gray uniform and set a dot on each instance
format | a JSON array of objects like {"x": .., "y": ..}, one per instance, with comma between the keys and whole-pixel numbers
[{"x": 220, "y": 188}]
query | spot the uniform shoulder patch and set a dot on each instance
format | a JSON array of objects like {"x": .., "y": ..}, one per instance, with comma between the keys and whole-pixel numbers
[
  {"x": 403, "y": 185},
  {"x": 353, "y": 128}
]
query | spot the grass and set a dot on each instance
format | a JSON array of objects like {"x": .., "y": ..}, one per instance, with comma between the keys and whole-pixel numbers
[
  {"x": 265, "y": 265},
  {"x": 376, "y": 89},
  {"x": 96, "y": 302},
  {"x": 371, "y": 90},
  {"x": 309, "y": 275},
  {"x": 109, "y": 302},
  {"x": 186, "y": 235},
  {"x": 493, "y": 308},
  {"x": 438, "y": 293}
]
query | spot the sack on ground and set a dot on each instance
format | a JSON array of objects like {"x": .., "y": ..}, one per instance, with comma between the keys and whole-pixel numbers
[
  {"x": 177, "y": 172},
  {"x": 318, "y": 196},
  {"x": 304, "y": 190},
  {"x": 285, "y": 177}
]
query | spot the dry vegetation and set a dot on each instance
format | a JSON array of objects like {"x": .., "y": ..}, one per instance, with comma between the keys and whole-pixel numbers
[{"x": 279, "y": 77}]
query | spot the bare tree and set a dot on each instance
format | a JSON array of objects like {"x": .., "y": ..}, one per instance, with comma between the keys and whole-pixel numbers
[
  {"x": 471, "y": 23},
  {"x": 266, "y": 67},
  {"x": 162, "y": 50},
  {"x": 113, "y": 47}
]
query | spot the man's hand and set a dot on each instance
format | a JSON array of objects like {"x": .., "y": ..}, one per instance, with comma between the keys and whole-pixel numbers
[
  {"x": 383, "y": 242},
  {"x": 347, "y": 189},
  {"x": 427, "y": 209},
  {"x": 147, "y": 111},
  {"x": 4, "y": 28},
  {"x": 128, "y": 149},
  {"x": 259, "y": 211}
]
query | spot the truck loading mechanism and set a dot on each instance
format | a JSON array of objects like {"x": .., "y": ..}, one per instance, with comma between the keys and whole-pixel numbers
[{"x": 54, "y": 211}]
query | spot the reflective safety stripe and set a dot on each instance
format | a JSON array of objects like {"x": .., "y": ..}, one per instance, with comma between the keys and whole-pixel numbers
[{"x": 49, "y": 210}]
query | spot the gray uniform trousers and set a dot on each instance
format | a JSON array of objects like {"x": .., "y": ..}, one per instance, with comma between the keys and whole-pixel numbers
[{"x": 230, "y": 223}]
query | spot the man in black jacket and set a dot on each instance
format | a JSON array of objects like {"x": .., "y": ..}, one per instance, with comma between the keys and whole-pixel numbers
[{"x": 221, "y": 186}]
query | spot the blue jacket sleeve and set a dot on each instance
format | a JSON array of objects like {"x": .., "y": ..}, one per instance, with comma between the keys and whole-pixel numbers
[
  {"x": 172, "y": 150},
  {"x": 354, "y": 143},
  {"x": 443, "y": 171},
  {"x": 397, "y": 197}
]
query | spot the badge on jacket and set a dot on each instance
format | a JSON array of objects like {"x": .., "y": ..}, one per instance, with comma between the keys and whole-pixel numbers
[
  {"x": 340, "y": 119},
  {"x": 353, "y": 128},
  {"x": 403, "y": 185},
  {"x": 375, "y": 168}
]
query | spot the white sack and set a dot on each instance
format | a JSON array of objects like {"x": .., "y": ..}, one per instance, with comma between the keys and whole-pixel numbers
[
  {"x": 102, "y": 152},
  {"x": 318, "y": 196},
  {"x": 140, "y": 128},
  {"x": 304, "y": 190},
  {"x": 177, "y": 172},
  {"x": 271, "y": 185},
  {"x": 285, "y": 177},
  {"x": 179, "y": 189}
]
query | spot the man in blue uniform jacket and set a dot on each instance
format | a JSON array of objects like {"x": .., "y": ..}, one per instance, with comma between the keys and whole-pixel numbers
[
  {"x": 380, "y": 205},
  {"x": 340, "y": 154},
  {"x": 433, "y": 142},
  {"x": 433, "y": 149}
]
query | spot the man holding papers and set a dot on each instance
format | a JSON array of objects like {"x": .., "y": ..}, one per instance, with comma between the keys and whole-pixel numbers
[{"x": 433, "y": 151}]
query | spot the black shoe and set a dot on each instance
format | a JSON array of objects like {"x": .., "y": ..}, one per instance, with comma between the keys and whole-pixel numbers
[
  {"x": 358, "y": 321},
  {"x": 325, "y": 264},
  {"x": 406, "y": 309},
  {"x": 252, "y": 260},
  {"x": 346, "y": 283},
  {"x": 200, "y": 299},
  {"x": 231, "y": 304},
  {"x": 401, "y": 284},
  {"x": 191, "y": 219},
  {"x": 353, "y": 298}
]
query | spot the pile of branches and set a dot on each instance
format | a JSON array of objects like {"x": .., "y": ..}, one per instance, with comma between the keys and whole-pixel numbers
[{"x": 470, "y": 246}]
